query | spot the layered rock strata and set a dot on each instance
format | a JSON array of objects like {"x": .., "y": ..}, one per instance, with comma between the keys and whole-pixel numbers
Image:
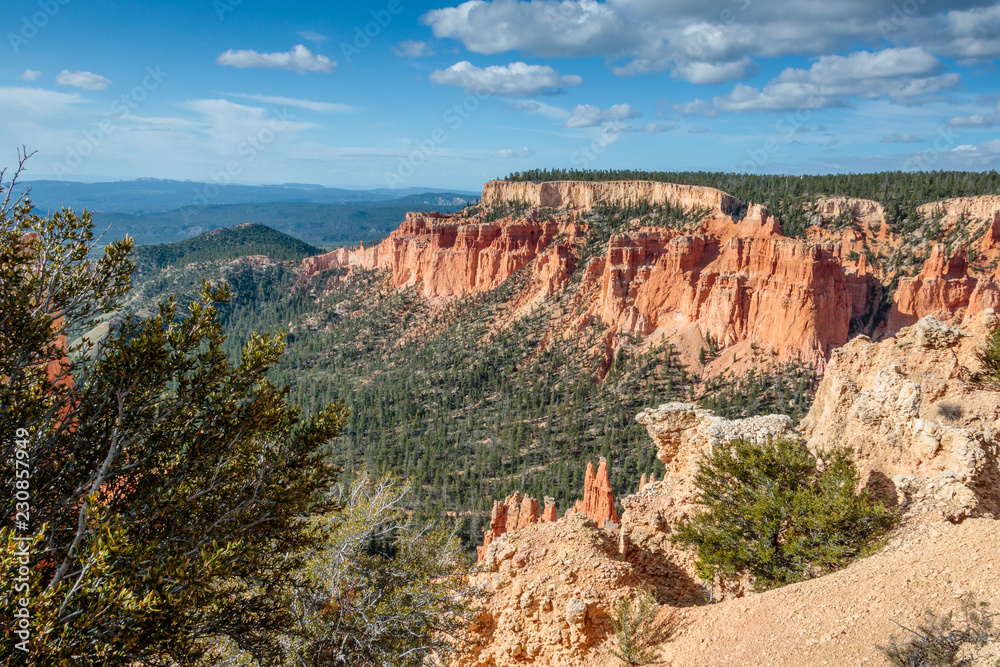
[{"x": 581, "y": 195}]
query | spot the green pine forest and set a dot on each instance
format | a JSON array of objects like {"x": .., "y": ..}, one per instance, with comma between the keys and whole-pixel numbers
[
  {"x": 468, "y": 404},
  {"x": 471, "y": 404}
]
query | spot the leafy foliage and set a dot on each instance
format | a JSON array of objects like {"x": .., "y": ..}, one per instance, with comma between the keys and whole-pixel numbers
[
  {"x": 771, "y": 512},
  {"x": 937, "y": 641},
  {"x": 637, "y": 631},
  {"x": 167, "y": 484}
]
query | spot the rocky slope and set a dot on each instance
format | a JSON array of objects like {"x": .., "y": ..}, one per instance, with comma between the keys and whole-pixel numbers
[
  {"x": 923, "y": 432},
  {"x": 923, "y": 429}
]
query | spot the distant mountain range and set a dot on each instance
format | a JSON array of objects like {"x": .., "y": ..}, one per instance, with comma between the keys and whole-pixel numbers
[
  {"x": 163, "y": 211},
  {"x": 150, "y": 194}
]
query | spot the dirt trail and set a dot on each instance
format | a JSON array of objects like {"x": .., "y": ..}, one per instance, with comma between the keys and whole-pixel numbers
[{"x": 839, "y": 619}]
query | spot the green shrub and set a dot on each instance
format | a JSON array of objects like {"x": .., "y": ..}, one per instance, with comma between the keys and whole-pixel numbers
[
  {"x": 636, "y": 629},
  {"x": 936, "y": 642},
  {"x": 989, "y": 358},
  {"x": 773, "y": 513}
]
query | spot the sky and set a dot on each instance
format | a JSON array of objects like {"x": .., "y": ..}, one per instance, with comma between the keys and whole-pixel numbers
[{"x": 448, "y": 95}]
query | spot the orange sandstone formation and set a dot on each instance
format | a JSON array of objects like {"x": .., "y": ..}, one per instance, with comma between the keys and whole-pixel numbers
[
  {"x": 729, "y": 274},
  {"x": 942, "y": 288},
  {"x": 598, "y": 497},
  {"x": 514, "y": 513},
  {"x": 550, "y": 514}
]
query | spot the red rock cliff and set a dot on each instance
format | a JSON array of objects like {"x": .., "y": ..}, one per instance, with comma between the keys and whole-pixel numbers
[{"x": 789, "y": 294}]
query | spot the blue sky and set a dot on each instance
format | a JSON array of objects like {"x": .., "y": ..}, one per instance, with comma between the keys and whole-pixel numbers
[{"x": 448, "y": 95}]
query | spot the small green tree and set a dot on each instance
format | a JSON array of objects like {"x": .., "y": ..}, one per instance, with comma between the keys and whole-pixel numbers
[
  {"x": 637, "y": 631},
  {"x": 771, "y": 512},
  {"x": 989, "y": 358},
  {"x": 165, "y": 485}
]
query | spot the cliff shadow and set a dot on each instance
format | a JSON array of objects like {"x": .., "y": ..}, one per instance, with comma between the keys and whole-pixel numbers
[{"x": 671, "y": 584}]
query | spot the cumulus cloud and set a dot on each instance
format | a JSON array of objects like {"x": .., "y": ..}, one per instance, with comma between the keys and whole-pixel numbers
[
  {"x": 30, "y": 74},
  {"x": 299, "y": 59},
  {"x": 513, "y": 80},
  {"x": 587, "y": 115},
  {"x": 977, "y": 120},
  {"x": 84, "y": 80},
  {"x": 309, "y": 105},
  {"x": 904, "y": 138},
  {"x": 413, "y": 49},
  {"x": 903, "y": 75},
  {"x": 508, "y": 153},
  {"x": 707, "y": 73},
  {"x": 712, "y": 41}
]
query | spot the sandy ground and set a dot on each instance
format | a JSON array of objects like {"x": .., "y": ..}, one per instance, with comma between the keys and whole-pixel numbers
[{"x": 839, "y": 619}]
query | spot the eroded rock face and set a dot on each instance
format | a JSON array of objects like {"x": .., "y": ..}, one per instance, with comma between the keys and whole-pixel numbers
[
  {"x": 942, "y": 289},
  {"x": 682, "y": 433},
  {"x": 598, "y": 497},
  {"x": 922, "y": 431},
  {"x": 580, "y": 195},
  {"x": 514, "y": 513},
  {"x": 788, "y": 294},
  {"x": 550, "y": 589}
]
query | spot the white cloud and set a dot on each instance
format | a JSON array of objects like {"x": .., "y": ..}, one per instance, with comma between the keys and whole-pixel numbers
[
  {"x": 902, "y": 75},
  {"x": 977, "y": 120},
  {"x": 36, "y": 101},
  {"x": 587, "y": 115},
  {"x": 84, "y": 80},
  {"x": 507, "y": 153},
  {"x": 310, "y": 105},
  {"x": 299, "y": 59},
  {"x": 656, "y": 128},
  {"x": 513, "y": 80},
  {"x": 30, "y": 74},
  {"x": 312, "y": 36},
  {"x": 542, "y": 27},
  {"x": 413, "y": 49},
  {"x": 904, "y": 138},
  {"x": 707, "y": 73},
  {"x": 712, "y": 41}
]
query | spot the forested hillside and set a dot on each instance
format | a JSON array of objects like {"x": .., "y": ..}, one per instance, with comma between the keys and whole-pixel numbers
[
  {"x": 465, "y": 401},
  {"x": 790, "y": 197},
  {"x": 239, "y": 241}
]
